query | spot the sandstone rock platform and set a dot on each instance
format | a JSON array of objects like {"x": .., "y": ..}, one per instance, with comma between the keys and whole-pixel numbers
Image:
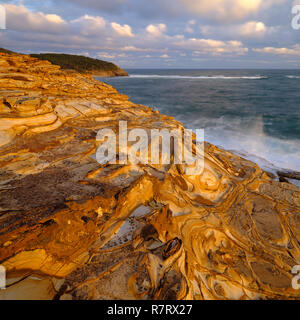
[{"x": 71, "y": 228}]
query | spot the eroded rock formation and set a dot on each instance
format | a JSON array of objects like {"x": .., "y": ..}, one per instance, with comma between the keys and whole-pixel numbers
[{"x": 71, "y": 228}]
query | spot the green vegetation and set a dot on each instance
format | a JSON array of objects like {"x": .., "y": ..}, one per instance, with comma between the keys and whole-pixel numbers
[
  {"x": 81, "y": 63},
  {"x": 2, "y": 50}
]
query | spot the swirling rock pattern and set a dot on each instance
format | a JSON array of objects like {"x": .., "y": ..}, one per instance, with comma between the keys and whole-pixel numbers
[{"x": 71, "y": 228}]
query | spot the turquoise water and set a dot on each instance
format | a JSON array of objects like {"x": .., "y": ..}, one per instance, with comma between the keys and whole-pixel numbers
[{"x": 255, "y": 113}]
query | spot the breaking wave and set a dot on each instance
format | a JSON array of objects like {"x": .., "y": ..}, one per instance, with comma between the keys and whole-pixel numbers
[
  {"x": 293, "y": 77},
  {"x": 221, "y": 77}
]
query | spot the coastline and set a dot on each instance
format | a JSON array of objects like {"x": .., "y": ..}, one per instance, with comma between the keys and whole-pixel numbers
[
  {"x": 118, "y": 73},
  {"x": 83, "y": 64},
  {"x": 76, "y": 225},
  {"x": 238, "y": 109}
]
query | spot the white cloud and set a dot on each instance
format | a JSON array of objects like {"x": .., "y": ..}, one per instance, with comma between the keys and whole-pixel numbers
[
  {"x": 164, "y": 56},
  {"x": 133, "y": 48},
  {"x": 123, "y": 31},
  {"x": 253, "y": 28},
  {"x": 227, "y": 9},
  {"x": 20, "y": 18},
  {"x": 250, "y": 29},
  {"x": 89, "y": 25},
  {"x": 84, "y": 53},
  {"x": 293, "y": 51},
  {"x": 211, "y": 46},
  {"x": 105, "y": 55},
  {"x": 156, "y": 30}
]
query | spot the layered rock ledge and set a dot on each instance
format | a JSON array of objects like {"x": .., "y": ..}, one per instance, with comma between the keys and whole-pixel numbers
[{"x": 71, "y": 228}]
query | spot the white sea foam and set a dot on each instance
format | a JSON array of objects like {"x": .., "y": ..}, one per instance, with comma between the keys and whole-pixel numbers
[
  {"x": 246, "y": 136},
  {"x": 221, "y": 77},
  {"x": 252, "y": 141},
  {"x": 293, "y": 77}
]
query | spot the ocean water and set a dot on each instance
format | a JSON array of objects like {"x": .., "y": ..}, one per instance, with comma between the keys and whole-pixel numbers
[{"x": 255, "y": 113}]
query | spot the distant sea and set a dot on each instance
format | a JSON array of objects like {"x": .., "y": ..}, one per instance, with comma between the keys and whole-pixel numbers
[{"x": 254, "y": 113}]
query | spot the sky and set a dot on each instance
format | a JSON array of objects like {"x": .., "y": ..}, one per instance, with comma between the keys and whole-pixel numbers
[{"x": 159, "y": 33}]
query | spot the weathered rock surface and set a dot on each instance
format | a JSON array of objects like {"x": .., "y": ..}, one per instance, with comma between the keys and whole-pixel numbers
[{"x": 71, "y": 228}]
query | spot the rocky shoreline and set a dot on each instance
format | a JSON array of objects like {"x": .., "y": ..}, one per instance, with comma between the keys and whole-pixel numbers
[
  {"x": 71, "y": 228},
  {"x": 81, "y": 64},
  {"x": 117, "y": 73}
]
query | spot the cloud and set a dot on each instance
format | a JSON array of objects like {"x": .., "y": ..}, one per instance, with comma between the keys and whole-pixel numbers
[
  {"x": 189, "y": 26},
  {"x": 133, "y": 48},
  {"x": 253, "y": 28},
  {"x": 89, "y": 25},
  {"x": 101, "y": 5},
  {"x": 32, "y": 29},
  {"x": 156, "y": 30},
  {"x": 244, "y": 30},
  {"x": 20, "y": 18},
  {"x": 223, "y": 9},
  {"x": 105, "y": 55},
  {"x": 123, "y": 31},
  {"x": 293, "y": 51},
  {"x": 215, "y": 47},
  {"x": 230, "y": 10}
]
